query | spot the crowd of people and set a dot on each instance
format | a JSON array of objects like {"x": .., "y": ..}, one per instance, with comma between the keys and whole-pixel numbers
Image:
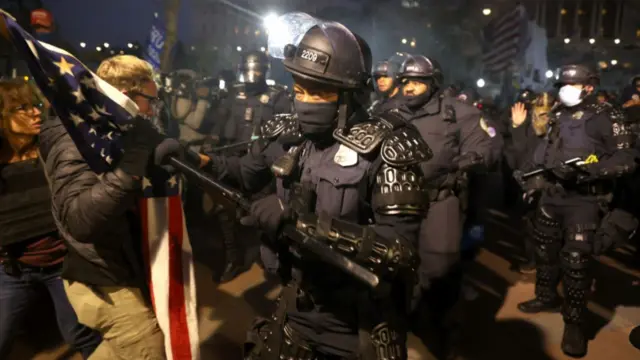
[{"x": 368, "y": 211}]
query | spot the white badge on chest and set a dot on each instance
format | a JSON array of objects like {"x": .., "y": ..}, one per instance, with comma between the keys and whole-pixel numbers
[{"x": 345, "y": 157}]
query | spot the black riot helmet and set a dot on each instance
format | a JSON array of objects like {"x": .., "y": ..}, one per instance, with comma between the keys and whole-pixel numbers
[
  {"x": 330, "y": 54},
  {"x": 253, "y": 67},
  {"x": 577, "y": 74},
  {"x": 526, "y": 96},
  {"x": 422, "y": 67},
  {"x": 381, "y": 68}
]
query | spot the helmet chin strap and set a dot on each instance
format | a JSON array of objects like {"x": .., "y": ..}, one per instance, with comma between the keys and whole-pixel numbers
[{"x": 345, "y": 100}]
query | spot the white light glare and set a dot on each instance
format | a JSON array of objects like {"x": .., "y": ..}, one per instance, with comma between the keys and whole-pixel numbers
[
  {"x": 616, "y": 41},
  {"x": 130, "y": 45},
  {"x": 239, "y": 48},
  {"x": 271, "y": 82},
  {"x": 404, "y": 41},
  {"x": 480, "y": 83},
  {"x": 486, "y": 11},
  {"x": 270, "y": 21},
  {"x": 592, "y": 41},
  {"x": 82, "y": 44},
  {"x": 567, "y": 40},
  {"x": 263, "y": 49},
  {"x": 222, "y": 84},
  {"x": 614, "y": 62},
  {"x": 98, "y": 48},
  {"x": 106, "y": 45},
  {"x": 549, "y": 74}
]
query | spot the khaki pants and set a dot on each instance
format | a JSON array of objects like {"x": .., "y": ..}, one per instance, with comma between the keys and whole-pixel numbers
[{"x": 127, "y": 323}]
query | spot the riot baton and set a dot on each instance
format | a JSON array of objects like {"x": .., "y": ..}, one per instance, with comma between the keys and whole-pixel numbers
[
  {"x": 231, "y": 146},
  {"x": 320, "y": 249}
]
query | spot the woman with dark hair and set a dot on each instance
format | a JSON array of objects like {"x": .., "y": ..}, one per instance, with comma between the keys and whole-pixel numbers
[{"x": 31, "y": 252}]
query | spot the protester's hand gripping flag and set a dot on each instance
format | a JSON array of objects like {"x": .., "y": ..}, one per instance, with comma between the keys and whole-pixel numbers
[{"x": 96, "y": 115}]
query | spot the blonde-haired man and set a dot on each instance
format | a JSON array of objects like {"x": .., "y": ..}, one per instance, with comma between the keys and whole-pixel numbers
[{"x": 98, "y": 218}]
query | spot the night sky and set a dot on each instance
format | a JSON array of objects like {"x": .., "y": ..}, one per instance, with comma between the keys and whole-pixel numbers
[{"x": 115, "y": 21}]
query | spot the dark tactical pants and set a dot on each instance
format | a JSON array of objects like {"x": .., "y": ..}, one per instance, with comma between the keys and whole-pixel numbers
[
  {"x": 275, "y": 338},
  {"x": 563, "y": 229}
]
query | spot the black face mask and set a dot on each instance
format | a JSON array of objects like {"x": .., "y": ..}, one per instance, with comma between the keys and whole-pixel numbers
[
  {"x": 417, "y": 101},
  {"x": 316, "y": 119}
]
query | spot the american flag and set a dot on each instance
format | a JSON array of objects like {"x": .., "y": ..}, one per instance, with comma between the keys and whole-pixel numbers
[
  {"x": 95, "y": 114},
  {"x": 505, "y": 38}
]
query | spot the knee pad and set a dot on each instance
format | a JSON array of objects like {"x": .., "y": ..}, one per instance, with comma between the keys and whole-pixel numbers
[
  {"x": 575, "y": 264},
  {"x": 545, "y": 229}
]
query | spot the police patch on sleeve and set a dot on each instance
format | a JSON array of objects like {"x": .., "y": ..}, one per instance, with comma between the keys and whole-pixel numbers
[{"x": 488, "y": 129}]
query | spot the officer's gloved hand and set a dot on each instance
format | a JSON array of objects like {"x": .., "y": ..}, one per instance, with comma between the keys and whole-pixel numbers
[
  {"x": 138, "y": 145},
  {"x": 269, "y": 214},
  {"x": 568, "y": 173},
  {"x": 470, "y": 161},
  {"x": 171, "y": 148}
]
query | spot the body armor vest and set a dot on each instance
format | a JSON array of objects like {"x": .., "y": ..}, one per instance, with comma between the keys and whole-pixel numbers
[
  {"x": 567, "y": 139},
  {"x": 25, "y": 203}
]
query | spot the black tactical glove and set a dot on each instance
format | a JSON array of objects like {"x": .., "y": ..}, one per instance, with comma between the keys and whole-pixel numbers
[
  {"x": 138, "y": 145},
  {"x": 269, "y": 214},
  {"x": 616, "y": 228},
  {"x": 470, "y": 161},
  {"x": 169, "y": 148}
]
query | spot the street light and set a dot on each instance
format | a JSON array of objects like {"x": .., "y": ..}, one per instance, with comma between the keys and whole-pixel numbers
[
  {"x": 592, "y": 41},
  {"x": 567, "y": 40},
  {"x": 239, "y": 48},
  {"x": 413, "y": 44},
  {"x": 486, "y": 11},
  {"x": 549, "y": 74},
  {"x": 98, "y": 48},
  {"x": 130, "y": 45},
  {"x": 83, "y": 45},
  {"x": 480, "y": 83},
  {"x": 614, "y": 62},
  {"x": 404, "y": 41},
  {"x": 616, "y": 41},
  {"x": 106, "y": 45}
]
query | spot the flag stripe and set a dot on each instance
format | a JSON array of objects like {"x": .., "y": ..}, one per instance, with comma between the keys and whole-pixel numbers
[{"x": 178, "y": 314}]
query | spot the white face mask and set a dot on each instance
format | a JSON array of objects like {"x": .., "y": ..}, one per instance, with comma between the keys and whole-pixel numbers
[{"x": 570, "y": 96}]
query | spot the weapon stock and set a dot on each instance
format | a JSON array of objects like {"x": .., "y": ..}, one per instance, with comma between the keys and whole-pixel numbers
[
  {"x": 231, "y": 146},
  {"x": 311, "y": 244},
  {"x": 574, "y": 163}
]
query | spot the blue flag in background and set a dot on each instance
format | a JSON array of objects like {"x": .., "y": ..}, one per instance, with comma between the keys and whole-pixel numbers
[{"x": 155, "y": 43}]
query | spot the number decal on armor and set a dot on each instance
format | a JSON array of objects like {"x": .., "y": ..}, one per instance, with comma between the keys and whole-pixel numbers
[{"x": 309, "y": 55}]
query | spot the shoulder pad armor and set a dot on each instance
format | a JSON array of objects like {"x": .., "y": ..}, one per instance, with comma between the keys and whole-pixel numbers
[
  {"x": 617, "y": 115},
  {"x": 280, "y": 124},
  {"x": 601, "y": 107},
  {"x": 366, "y": 137},
  {"x": 404, "y": 147}
]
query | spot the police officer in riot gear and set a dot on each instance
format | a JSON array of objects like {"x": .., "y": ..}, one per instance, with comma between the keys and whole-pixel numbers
[
  {"x": 251, "y": 102},
  {"x": 329, "y": 164},
  {"x": 386, "y": 83},
  {"x": 461, "y": 143},
  {"x": 566, "y": 224}
]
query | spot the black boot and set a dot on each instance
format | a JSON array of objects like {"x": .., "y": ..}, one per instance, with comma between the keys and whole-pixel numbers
[
  {"x": 574, "y": 341},
  {"x": 576, "y": 283},
  {"x": 547, "y": 299}
]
